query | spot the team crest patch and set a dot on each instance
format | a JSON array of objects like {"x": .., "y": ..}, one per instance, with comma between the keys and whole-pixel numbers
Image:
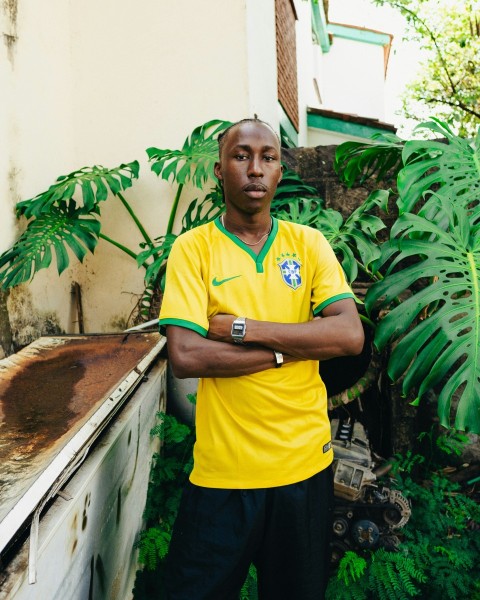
[{"x": 290, "y": 270}]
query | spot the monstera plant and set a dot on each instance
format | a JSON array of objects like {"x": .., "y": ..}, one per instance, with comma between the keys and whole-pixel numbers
[{"x": 425, "y": 297}]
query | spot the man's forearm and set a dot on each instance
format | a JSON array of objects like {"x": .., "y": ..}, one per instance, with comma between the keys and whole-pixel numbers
[
  {"x": 338, "y": 332},
  {"x": 320, "y": 339},
  {"x": 191, "y": 355}
]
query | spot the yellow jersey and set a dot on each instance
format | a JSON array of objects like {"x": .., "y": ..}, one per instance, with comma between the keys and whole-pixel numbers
[{"x": 270, "y": 428}]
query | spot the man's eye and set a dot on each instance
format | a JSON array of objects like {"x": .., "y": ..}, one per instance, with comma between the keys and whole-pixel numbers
[
  {"x": 241, "y": 156},
  {"x": 269, "y": 158}
]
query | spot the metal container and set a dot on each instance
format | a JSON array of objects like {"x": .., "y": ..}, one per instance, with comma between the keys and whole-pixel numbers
[{"x": 75, "y": 454}]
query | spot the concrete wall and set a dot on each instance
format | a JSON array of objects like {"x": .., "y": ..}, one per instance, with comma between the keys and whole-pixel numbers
[{"x": 97, "y": 83}]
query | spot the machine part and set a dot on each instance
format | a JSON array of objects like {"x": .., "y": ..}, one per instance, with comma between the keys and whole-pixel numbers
[
  {"x": 349, "y": 479},
  {"x": 365, "y": 534},
  {"x": 366, "y": 513},
  {"x": 340, "y": 527},
  {"x": 350, "y": 442},
  {"x": 398, "y": 515}
]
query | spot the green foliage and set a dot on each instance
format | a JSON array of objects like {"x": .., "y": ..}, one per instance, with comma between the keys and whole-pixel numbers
[
  {"x": 354, "y": 239},
  {"x": 49, "y": 235},
  {"x": 249, "y": 589},
  {"x": 425, "y": 296},
  {"x": 63, "y": 218},
  {"x": 381, "y": 157},
  {"x": 94, "y": 184},
  {"x": 449, "y": 166},
  {"x": 195, "y": 161},
  {"x": 447, "y": 83},
  {"x": 170, "y": 470},
  {"x": 351, "y": 568},
  {"x": 444, "y": 343}
]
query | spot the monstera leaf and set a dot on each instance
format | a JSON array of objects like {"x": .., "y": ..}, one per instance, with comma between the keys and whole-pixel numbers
[
  {"x": 438, "y": 326},
  {"x": 195, "y": 161},
  {"x": 356, "y": 162},
  {"x": 451, "y": 167},
  {"x": 354, "y": 239},
  {"x": 51, "y": 233},
  {"x": 94, "y": 184}
]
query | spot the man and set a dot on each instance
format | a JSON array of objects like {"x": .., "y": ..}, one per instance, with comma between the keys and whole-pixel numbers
[{"x": 251, "y": 305}]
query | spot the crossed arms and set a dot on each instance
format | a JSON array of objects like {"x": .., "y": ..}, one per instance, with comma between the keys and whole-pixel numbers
[{"x": 338, "y": 332}]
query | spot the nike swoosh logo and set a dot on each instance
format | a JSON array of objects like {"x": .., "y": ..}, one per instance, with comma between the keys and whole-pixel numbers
[{"x": 216, "y": 282}]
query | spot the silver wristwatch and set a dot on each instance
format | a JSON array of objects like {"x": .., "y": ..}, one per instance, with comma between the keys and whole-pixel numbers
[{"x": 239, "y": 328}]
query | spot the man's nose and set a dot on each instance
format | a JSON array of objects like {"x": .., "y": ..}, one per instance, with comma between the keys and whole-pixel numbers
[{"x": 255, "y": 167}]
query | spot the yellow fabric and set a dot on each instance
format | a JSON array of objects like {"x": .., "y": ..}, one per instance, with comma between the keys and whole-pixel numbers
[{"x": 270, "y": 428}]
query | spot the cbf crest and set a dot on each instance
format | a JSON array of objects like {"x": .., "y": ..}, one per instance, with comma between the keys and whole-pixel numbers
[{"x": 290, "y": 267}]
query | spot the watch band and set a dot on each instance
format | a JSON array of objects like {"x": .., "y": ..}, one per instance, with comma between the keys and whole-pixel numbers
[
  {"x": 278, "y": 359},
  {"x": 239, "y": 328}
]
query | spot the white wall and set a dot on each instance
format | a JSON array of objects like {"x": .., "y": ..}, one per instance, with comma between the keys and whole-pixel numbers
[
  {"x": 98, "y": 83},
  {"x": 305, "y": 66},
  {"x": 355, "y": 80}
]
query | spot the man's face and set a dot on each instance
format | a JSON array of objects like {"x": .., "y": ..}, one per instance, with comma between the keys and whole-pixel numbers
[{"x": 250, "y": 167}]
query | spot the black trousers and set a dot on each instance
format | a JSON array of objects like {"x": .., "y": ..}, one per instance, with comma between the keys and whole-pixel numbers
[{"x": 284, "y": 531}]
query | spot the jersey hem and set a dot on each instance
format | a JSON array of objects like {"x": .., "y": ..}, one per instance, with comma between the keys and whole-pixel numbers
[{"x": 249, "y": 485}]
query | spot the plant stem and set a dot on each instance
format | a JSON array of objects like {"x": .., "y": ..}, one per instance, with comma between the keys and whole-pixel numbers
[
  {"x": 121, "y": 247},
  {"x": 368, "y": 321},
  {"x": 173, "y": 211},
  {"x": 146, "y": 237}
]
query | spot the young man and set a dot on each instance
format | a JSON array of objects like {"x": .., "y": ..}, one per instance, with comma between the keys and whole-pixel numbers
[{"x": 251, "y": 305}]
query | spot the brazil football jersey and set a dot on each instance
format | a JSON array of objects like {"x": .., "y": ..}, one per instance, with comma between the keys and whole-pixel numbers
[{"x": 269, "y": 428}]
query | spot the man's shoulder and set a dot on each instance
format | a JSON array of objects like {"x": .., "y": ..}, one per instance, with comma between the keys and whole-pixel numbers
[
  {"x": 201, "y": 232},
  {"x": 298, "y": 230}
]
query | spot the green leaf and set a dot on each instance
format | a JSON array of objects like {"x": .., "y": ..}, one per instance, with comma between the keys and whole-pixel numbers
[
  {"x": 56, "y": 231},
  {"x": 452, "y": 166},
  {"x": 93, "y": 182},
  {"x": 195, "y": 161},
  {"x": 356, "y": 162}
]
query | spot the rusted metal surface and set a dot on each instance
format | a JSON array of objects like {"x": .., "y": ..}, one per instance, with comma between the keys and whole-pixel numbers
[{"x": 49, "y": 390}]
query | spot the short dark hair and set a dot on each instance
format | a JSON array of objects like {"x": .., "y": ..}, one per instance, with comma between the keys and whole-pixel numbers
[{"x": 223, "y": 136}]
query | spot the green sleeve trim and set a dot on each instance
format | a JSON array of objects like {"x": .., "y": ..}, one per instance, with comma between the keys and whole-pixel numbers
[
  {"x": 182, "y": 323},
  {"x": 320, "y": 307}
]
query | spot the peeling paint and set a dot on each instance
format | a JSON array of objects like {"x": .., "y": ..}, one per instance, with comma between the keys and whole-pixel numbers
[{"x": 27, "y": 323}]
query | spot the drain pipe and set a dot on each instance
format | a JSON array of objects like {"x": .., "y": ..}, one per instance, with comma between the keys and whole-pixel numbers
[{"x": 143, "y": 326}]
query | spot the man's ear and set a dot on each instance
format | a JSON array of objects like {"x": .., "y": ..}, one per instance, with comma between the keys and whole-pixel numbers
[
  {"x": 217, "y": 170},
  {"x": 281, "y": 174}
]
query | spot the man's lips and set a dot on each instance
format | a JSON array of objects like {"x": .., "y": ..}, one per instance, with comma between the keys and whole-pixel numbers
[{"x": 255, "y": 190}]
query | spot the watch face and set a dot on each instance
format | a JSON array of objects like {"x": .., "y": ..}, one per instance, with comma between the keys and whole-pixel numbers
[{"x": 238, "y": 330}]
